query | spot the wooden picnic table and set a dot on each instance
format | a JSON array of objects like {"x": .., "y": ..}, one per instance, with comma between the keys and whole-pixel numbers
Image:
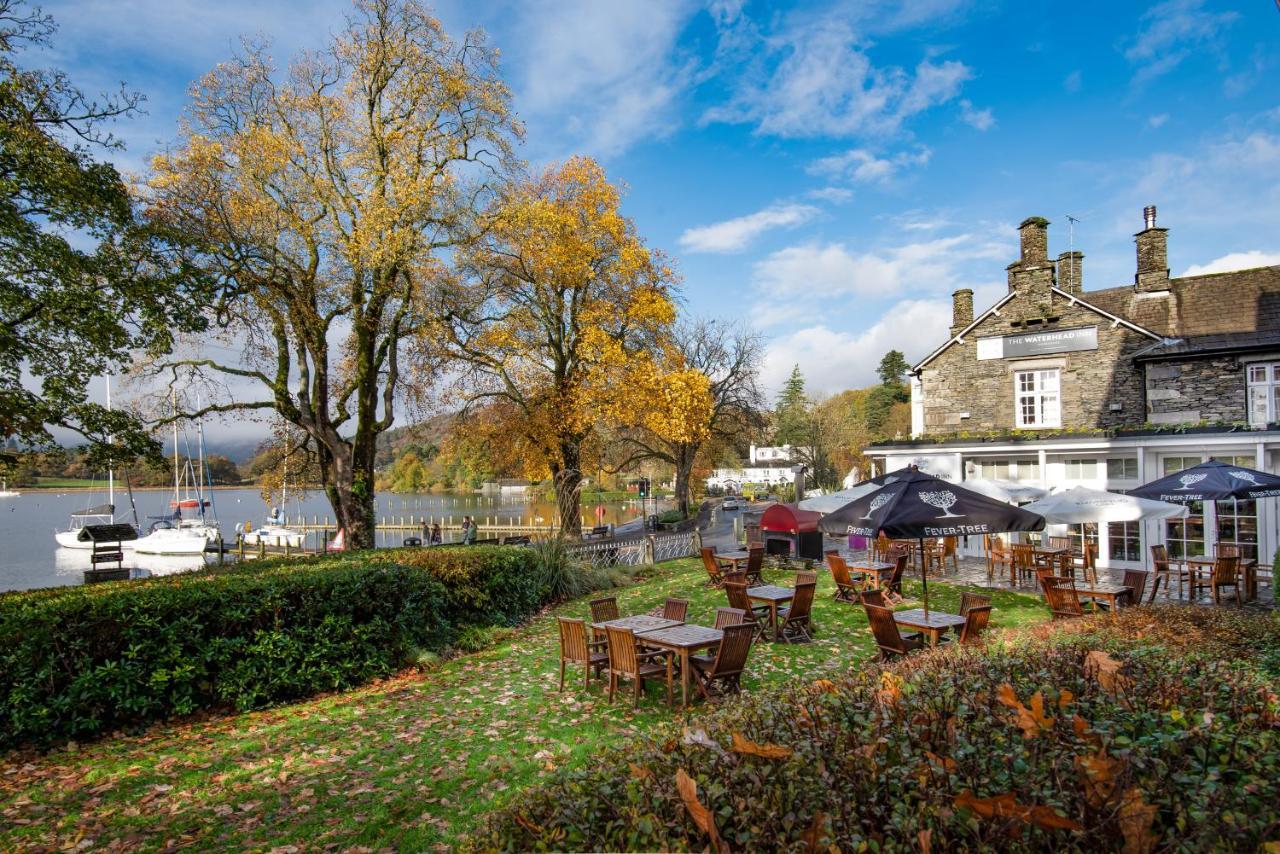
[
  {"x": 932, "y": 625},
  {"x": 1107, "y": 590},
  {"x": 682, "y": 640},
  {"x": 773, "y": 596}
]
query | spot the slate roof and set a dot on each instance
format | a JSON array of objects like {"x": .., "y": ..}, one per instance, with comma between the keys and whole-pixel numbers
[{"x": 1234, "y": 303}]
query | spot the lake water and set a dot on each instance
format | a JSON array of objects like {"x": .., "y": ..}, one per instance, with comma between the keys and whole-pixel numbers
[{"x": 30, "y": 558}]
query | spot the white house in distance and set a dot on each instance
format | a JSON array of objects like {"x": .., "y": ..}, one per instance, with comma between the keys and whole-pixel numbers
[{"x": 766, "y": 468}]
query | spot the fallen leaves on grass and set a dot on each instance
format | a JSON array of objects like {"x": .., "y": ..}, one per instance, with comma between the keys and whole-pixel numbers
[
  {"x": 1007, "y": 806},
  {"x": 744, "y": 745},
  {"x": 1032, "y": 721}
]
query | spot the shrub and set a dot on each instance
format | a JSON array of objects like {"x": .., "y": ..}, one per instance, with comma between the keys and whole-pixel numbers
[
  {"x": 77, "y": 661},
  {"x": 1123, "y": 735},
  {"x": 668, "y": 517},
  {"x": 565, "y": 575}
]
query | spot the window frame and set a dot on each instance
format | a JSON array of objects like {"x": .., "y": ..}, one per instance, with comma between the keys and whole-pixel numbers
[
  {"x": 1038, "y": 394},
  {"x": 1270, "y": 383}
]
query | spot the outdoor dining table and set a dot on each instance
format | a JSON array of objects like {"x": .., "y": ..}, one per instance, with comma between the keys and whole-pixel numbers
[
  {"x": 773, "y": 596},
  {"x": 639, "y": 623},
  {"x": 1203, "y": 566},
  {"x": 882, "y": 570},
  {"x": 1062, "y": 557},
  {"x": 931, "y": 625},
  {"x": 1106, "y": 590},
  {"x": 682, "y": 640},
  {"x": 734, "y": 558}
]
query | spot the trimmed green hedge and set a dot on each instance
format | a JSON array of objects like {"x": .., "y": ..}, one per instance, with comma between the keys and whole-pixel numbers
[
  {"x": 78, "y": 661},
  {"x": 1158, "y": 729}
]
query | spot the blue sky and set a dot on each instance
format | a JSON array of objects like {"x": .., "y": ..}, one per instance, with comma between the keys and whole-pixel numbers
[{"x": 831, "y": 172}]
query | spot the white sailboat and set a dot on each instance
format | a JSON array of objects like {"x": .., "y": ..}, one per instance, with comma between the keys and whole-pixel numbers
[
  {"x": 102, "y": 514},
  {"x": 178, "y": 534},
  {"x": 275, "y": 532}
]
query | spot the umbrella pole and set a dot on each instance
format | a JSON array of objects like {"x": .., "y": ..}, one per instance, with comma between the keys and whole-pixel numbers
[{"x": 924, "y": 580}]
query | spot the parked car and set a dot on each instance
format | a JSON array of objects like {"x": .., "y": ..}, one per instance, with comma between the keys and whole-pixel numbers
[{"x": 730, "y": 503}]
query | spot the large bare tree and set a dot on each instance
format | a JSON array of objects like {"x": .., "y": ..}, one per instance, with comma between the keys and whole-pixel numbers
[{"x": 320, "y": 198}]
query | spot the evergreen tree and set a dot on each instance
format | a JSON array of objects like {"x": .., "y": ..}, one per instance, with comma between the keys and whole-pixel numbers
[
  {"x": 892, "y": 368},
  {"x": 791, "y": 414}
]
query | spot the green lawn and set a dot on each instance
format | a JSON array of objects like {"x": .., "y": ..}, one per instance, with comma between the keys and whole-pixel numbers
[
  {"x": 410, "y": 762},
  {"x": 67, "y": 483}
]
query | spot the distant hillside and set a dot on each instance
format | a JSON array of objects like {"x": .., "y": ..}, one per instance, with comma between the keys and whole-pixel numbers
[{"x": 429, "y": 432}]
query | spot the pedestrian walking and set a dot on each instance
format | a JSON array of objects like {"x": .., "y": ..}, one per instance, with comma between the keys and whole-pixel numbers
[
  {"x": 468, "y": 531},
  {"x": 436, "y": 538}
]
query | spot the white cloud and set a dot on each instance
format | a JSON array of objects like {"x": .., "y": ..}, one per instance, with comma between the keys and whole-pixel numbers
[
  {"x": 834, "y": 195},
  {"x": 981, "y": 119},
  {"x": 597, "y": 77},
  {"x": 1157, "y": 120},
  {"x": 1072, "y": 82},
  {"x": 813, "y": 272},
  {"x": 1171, "y": 32},
  {"x": 815, "y": 78},
  {"x": 832, "y": 361},
  {"x": 861, "y": 165},
  {"x": 735, "y": 234},
  {"x": 1235, "y": 261}
]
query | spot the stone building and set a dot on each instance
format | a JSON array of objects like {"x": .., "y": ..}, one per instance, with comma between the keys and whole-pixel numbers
[{"x": 1056, "y": 385}]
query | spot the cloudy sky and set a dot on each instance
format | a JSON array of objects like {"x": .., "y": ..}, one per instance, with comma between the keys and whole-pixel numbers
[{"x": 831, "y": 172}]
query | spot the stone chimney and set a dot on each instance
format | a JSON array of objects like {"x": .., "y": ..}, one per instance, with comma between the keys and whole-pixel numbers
[
  {"x": 1034, "y": 233},
  {"x": 1153, "y": 254},
  {"x": 1033, "y": 272},
  {"x": 961, "y": 310},
  {"x": 1069, "y": 271}
]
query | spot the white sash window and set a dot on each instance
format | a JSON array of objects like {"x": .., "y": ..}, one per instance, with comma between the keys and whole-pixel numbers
[{"x": 1036, "y": 403}]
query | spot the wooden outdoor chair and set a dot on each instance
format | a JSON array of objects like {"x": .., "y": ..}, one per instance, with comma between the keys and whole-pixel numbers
[
  {"x": 1058, "y": 543},
  {"x": 970, "y": 600},
  {"x": 846, "y": 590},
  {"x": 893, "y": 590},
  {"x": 975, "y": 623},
  {"x": 675, "y": 609},
  {"x": 892, "y": 643},
  {"x": 755, "y": 565},
  {"x": 628, "y": 661},
  {"x": 1000, "y": 562},
  {"x": 1062, "y": 597},
  {"x": 881, "y": 546},
  {"x": 873, "y": 596},
  {"x": 806, "y": 576},
  {"x": 712, "y": 566},
  {"x": 1024, "y": 561},
  {"x": 1226, "y": 573},
  {"x": 1135, "y": 580},
  {"x": 604, "y": 610},
  {"x": 729, "y": 617},
  {"x": 735, "y": 577},
  {"x": 576, "y": 649},
  {"x": 722, "y": 674},
  {"x": 793, "y": 620},
  {"x": 753, "y": 615},
  {"x": 1163, "y": 568},
  {"x": 937, "y": 554},
  {"x": 1088, "y": 562}
]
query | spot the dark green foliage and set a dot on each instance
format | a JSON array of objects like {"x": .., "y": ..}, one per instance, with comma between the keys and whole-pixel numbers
[
  {"x": 892, "y": 368},
  {"x": 78, "y": 661},
  {"x": 1186, "y": 734},
  {"x": 82, "y": 285}
]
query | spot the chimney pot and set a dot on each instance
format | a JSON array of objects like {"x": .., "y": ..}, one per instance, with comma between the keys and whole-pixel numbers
[
  {"x": 1153, "y": 254},
  {"x": 1071, "y": 271}
]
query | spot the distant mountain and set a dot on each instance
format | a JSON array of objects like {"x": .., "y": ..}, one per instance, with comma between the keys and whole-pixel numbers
[{"x": 432, "y": 431}]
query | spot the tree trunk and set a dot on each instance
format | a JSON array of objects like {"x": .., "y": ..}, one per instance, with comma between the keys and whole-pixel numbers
[
  {"x": 568, "y": 482},
  {"x": 348, "y": 484},
  {"x": 684, "y": 458}
]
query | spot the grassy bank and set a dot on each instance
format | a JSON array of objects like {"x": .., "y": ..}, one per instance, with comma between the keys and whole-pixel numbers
[{"x": 410, "y": 762}]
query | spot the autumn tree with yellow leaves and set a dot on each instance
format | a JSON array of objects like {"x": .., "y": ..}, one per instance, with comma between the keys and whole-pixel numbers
[
  {"x": 703, "y": 391},
  {"x": 319, "y": 198},
  {"x": 552, "y": 315}
]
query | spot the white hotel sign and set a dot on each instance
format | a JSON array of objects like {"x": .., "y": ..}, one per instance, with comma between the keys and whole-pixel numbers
[{"x": 1038, "y": 343}]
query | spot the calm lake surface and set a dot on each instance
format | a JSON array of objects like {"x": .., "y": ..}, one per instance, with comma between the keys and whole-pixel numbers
[{"x": 30, "y": 558}]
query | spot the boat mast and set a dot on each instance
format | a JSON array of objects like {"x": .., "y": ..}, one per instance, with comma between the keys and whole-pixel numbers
[
  {"x": 111, "y": 474},
  {"x": 177, "y": 500}
]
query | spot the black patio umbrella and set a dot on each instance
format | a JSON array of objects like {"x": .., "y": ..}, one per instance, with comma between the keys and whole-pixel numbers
[
  {"x": 912, "y": 505},
  {"x": 1211, "y": 481}
]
